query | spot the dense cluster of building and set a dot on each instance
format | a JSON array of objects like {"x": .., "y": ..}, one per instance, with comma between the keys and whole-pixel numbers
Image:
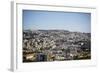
[{"x": 55, "y": 45}]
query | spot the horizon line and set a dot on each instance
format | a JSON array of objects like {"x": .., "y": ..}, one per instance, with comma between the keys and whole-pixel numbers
[{"x": 55, "y": 29}]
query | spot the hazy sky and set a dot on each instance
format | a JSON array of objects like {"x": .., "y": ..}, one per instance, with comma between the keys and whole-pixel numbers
[{"x": 47, "y": 20}]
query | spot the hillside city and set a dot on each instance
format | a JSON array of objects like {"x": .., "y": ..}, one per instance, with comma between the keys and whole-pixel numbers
[{"x": 55, "y": 45}]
